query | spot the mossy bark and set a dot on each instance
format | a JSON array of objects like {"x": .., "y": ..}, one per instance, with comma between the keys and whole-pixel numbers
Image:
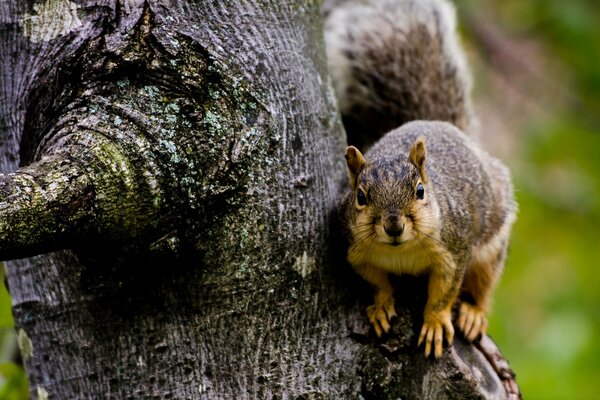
[{"x": 191, "y": 154}]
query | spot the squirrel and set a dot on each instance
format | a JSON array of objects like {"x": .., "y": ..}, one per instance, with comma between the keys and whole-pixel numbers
[{"x": 425, "y": 199}]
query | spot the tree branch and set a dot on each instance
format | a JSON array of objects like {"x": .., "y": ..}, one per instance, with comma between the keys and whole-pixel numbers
[
  {"x": 43, "y": 207},
  {"x": 500, "y": 364}
]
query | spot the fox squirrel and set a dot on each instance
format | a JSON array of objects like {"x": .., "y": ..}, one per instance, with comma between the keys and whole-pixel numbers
[{"x": 425, "y": 199}]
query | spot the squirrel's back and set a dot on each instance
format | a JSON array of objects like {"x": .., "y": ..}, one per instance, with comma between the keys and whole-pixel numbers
[{"x": 396, "y": 61}]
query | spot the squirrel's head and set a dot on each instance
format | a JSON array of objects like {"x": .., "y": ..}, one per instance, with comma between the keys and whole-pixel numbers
[{"x": 392, "y": 203}]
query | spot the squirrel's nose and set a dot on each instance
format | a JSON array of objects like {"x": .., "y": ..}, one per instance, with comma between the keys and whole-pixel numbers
[{"x": 393, "y": 229}]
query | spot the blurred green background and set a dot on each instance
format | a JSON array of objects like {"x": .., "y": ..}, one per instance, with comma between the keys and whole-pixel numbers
[
  {"x": 13, "y": 382},
  {"x": 537, "y": 87},
  {"x": 537, "y": 94}
]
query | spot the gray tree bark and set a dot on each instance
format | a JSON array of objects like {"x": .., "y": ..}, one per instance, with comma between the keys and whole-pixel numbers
[{"x": 170, "y": 175}]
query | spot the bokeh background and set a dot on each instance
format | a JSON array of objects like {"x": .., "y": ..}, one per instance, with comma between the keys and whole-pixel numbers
[{"x": 537, "y": 94}]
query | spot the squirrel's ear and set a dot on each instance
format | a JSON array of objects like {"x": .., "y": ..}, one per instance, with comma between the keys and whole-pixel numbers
[
  {"x": 417, "y": 157},
  {"x": 356, "y": 162}
]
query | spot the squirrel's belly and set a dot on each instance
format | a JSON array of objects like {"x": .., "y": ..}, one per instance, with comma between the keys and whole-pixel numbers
[{"x": 403, "y": 259}]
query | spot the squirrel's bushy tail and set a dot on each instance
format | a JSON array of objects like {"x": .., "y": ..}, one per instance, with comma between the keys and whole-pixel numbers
[{"x": 395, "y": 61}]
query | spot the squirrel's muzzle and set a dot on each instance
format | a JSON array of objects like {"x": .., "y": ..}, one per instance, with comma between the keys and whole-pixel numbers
[{"x": 393, "y": 226}]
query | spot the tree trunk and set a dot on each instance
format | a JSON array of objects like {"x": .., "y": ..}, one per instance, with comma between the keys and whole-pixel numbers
[{"x": 180, "y": 164}]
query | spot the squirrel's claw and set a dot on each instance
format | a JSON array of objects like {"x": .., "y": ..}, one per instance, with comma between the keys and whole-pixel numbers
[
  {"x": 471, "y": 321},
  {"x": 432, "y": 333},
  {"x": 380, "y": 315}
]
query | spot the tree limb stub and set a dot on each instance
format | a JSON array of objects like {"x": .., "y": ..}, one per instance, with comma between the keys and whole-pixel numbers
[
  {"x": 86, "y": 191},
  {"x": 154, "y": 136},
  {"x": 43, "y": 206}
]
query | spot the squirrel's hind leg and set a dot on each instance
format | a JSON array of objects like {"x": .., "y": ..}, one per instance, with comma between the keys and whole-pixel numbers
[{"x": 479, "y": 282}]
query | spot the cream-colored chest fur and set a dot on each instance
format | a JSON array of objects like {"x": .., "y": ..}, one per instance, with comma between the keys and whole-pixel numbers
[{"x": 409, "y": 258}]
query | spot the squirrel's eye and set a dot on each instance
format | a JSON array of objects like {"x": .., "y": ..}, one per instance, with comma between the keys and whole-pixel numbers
[
  {"x": 420, "y": 191},
  {"x": 361, "y": 198}
]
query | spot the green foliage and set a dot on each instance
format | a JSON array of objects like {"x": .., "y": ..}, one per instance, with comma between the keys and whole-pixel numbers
[
  {"x": 546, "y": 316},
  {"x": 547, "y": 311},
  {"x": 13, "y": 382}
]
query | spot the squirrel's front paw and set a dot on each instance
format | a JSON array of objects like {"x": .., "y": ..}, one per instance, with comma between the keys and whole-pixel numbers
[
  {"x": 432, "y": 332},
  {"x": 380, "y": 314},
  {"x": 471, "y": 321}
]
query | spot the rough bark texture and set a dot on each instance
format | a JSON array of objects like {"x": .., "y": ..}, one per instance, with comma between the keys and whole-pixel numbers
[{"x": 183, "y": 161}]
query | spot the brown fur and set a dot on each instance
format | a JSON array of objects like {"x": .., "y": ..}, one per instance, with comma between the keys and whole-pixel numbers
[
  {"x": 392, "y": 62},
  {"x": 456, "y": 234}
]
